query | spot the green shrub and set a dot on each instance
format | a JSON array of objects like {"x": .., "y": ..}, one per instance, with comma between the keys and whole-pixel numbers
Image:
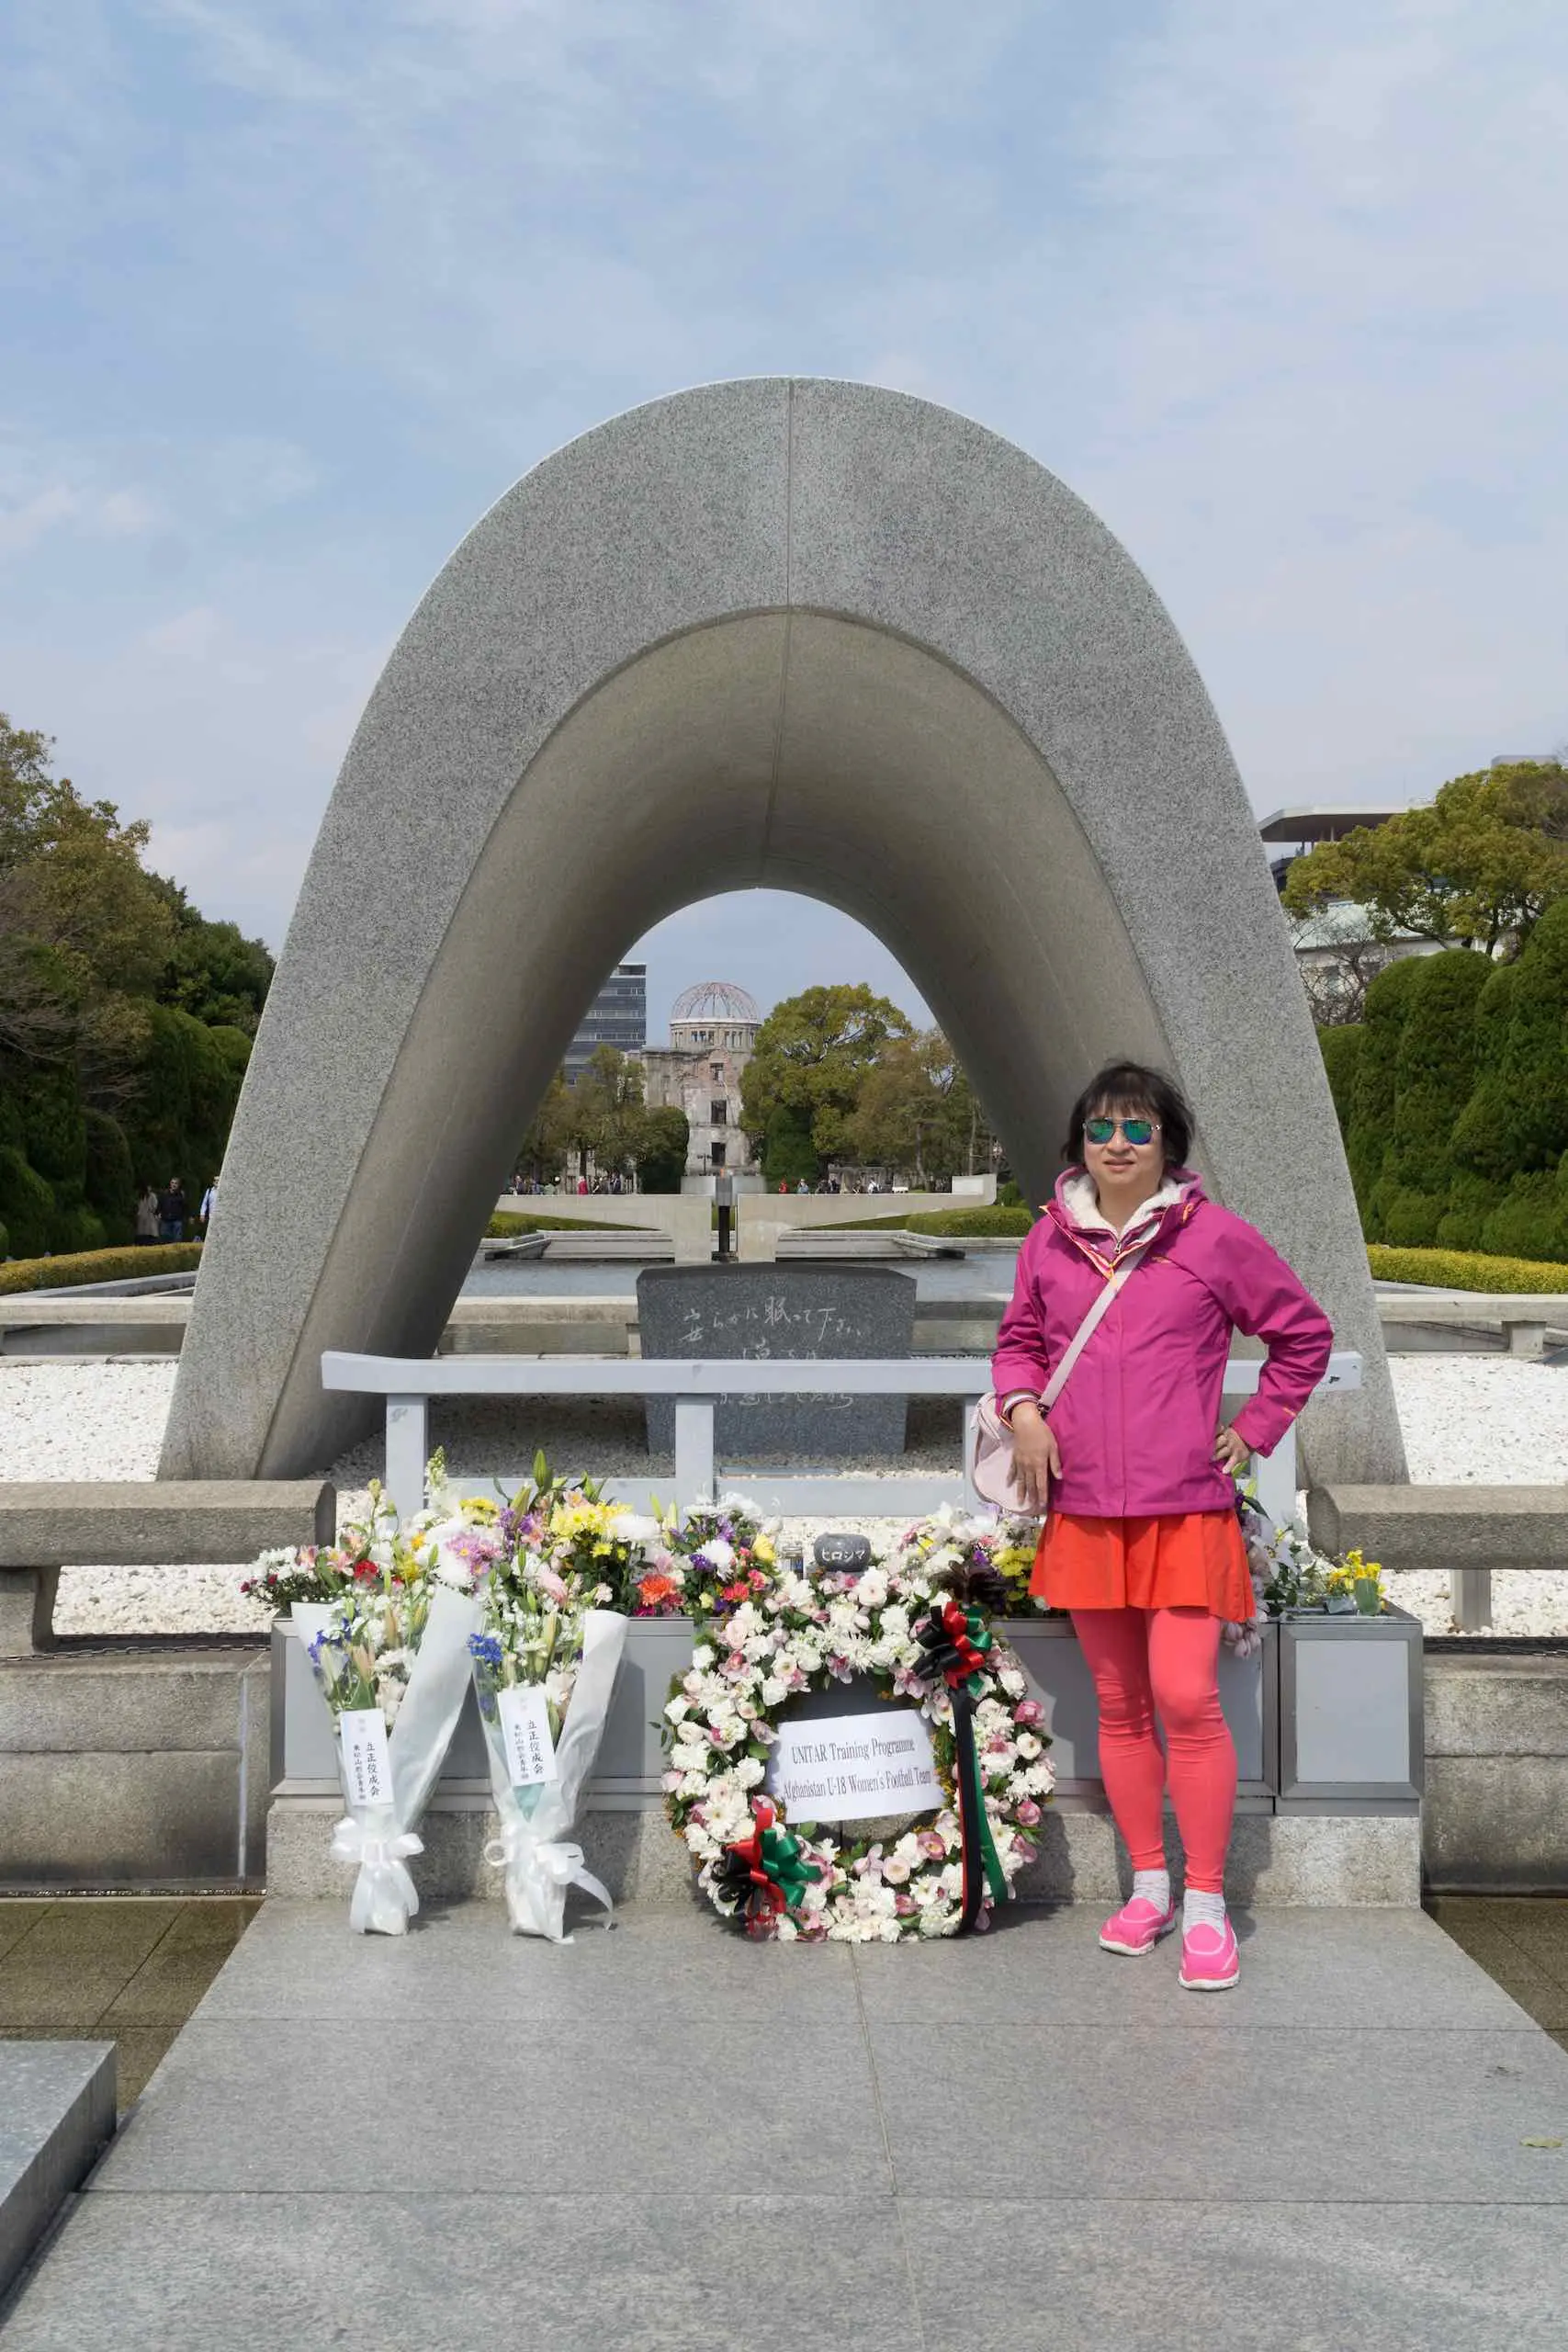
[
  {"x": 1481, "y": 1137},
  {"x": 1369, "y": 1142},
  {"x": 112, "y": 1185},
  {"x": 1009, "y": 1197},
  {"x": 1463, "y": 1270},
  {"x": 1434, "y": 1075},
  {"x": 1410, "y": 1218},
  {"x": 98, "y": 1266},
  {"x": 995, "y": 1224},
  {"x": 1472, "y": 1199},
  {"x": 27, "y": 1204},
  {"x": 1341, "y": 1051},
  {"x": 505, "y": 1226},
  {"x": 1532, "y": 1220}
]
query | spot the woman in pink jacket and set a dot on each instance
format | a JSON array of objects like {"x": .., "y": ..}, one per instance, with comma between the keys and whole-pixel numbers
[{"x": 1141, "y": 1541}]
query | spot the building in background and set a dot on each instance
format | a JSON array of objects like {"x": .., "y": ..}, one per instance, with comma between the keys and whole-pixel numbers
[
  {"x": 712, "y": 1031},
  {"x": 1337, "y": 956},
  {"x": 617, "y": 1016}
]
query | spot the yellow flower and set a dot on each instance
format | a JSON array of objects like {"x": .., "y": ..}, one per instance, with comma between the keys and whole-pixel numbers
[
  {"x": 762, "y": 1550},
  {"x": 480, "y": 1509}
]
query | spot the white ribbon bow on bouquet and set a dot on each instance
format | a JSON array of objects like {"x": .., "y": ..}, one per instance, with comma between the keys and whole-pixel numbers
[
  {"x": 539, "y": 1872},
  {"x": 535, "y": 1847},
  {"x": 380, "y": 1838},
  {"x": 384, "y": 1896}
]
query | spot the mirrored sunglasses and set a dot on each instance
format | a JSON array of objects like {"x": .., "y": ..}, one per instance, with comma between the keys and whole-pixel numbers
[{"x": 1137, "y": 1131}]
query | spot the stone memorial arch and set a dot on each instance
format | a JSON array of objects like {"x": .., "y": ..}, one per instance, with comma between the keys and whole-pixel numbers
[{"x": 796, "y": 633}]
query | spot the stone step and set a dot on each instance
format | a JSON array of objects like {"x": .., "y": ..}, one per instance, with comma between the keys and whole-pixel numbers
[{"x": 57, "y": 2110}]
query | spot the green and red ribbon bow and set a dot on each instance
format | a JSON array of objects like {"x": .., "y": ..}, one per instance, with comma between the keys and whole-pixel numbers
[
  {"x": 767, "y": 1872},
  {"x": 956, "y": 1642}
]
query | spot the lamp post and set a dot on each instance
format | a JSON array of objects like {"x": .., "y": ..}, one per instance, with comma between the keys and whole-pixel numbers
[{"x": 724, "y": 1194}]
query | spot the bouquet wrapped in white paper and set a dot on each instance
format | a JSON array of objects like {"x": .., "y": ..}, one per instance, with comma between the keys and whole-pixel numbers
[
  {"x": 545, "y": 1661},
  {"x": 391, "y": 1653}
]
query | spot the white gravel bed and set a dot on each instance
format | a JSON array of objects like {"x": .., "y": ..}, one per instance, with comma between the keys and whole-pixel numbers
[{"x": 1467, "y": 1420}]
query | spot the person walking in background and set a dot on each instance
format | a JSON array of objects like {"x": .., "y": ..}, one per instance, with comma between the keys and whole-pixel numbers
[
  {"x": 172, "y": 1211},
  {"x": 147, "y": 1218},
  {"x": 1141, "y": 1542},
  {"x": 209, "y": 1203}
]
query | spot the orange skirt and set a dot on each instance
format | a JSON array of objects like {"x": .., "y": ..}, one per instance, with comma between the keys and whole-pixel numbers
[{"x": 1182, "y": 1560}]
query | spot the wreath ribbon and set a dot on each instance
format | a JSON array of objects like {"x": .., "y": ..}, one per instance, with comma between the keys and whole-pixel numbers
[
  {"x": 957, "y": 1641},
  {"x": 766, "y": 1873}
]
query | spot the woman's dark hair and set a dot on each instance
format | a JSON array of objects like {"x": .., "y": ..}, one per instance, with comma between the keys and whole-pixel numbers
[{"x": 1125, "y": 1088}]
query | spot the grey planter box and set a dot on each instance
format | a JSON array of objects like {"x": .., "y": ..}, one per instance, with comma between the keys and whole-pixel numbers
[
  {"x": 630, "y": 1759},
  {"x": 1059, "y": 1676},
  {"x": 1352, "y": 1731}
]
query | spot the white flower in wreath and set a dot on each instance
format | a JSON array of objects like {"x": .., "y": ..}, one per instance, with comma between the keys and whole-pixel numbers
[
  {"x": 678, "y": 1710},
  {"x": 775, "y": 1691},
  {"x": 1014, "y": 1684},
  {"x": 1028, "y": 1744},
  {"x": 718, "y": 1553},
  {"x": 703, "y": 1656},
  {"x": 750, "y": 1770}
]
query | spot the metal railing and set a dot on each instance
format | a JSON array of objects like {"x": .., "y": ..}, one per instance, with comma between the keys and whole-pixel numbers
[{"x": 408, "y": 1383}]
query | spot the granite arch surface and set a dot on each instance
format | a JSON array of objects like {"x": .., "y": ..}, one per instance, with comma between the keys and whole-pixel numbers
[{"x": 802, "y": 634}]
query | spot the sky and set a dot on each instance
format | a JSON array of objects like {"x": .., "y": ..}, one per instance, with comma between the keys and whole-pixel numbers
[{"x": 294, "y": 289}]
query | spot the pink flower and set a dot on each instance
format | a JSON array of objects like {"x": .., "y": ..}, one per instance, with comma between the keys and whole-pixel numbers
[
  {"x": 1029, "y": 1712},
  {"x": 905, "y": 1905},
  {"x": 933, "y": 1847},
  {"x": 1028, "y": 1812},
  {"x": 552, "y": 1586}
]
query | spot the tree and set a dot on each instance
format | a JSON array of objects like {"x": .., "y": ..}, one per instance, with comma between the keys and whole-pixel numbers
[
  {"x": 100, "y": 1083},
  {"x": 542, "y": 1154},
  {"x": 213, "y": 971},
  {"x": 810, "y": 1059},
  {"x": 661, "y": 1151},
  {"x": 606, "y": 1116},
  {"x": 1477, "y": 868},
  {"x": 917, "y": 1111}
]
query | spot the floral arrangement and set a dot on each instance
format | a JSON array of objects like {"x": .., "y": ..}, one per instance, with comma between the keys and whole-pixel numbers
[
  {"x": 951, "y": 1539},
  {"x": 1290, "y": 1574},
  {"x": 706, "y": 1561},
  {"x": 922, "y": 1634}
]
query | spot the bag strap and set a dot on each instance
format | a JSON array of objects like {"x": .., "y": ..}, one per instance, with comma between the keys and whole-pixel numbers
[{"x": 1089, "y": 1325}]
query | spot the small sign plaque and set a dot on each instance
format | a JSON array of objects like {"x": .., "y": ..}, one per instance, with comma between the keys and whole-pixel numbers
[
  {"x": 847, "y": 1768},
  {"x": 367, "y": 1760},
  {"x": 846, "y": 1554},
  {"x": 525, "y": 1735}
]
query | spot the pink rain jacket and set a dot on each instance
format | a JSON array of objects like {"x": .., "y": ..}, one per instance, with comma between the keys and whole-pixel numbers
[{"x": 1137, "y": 1419}]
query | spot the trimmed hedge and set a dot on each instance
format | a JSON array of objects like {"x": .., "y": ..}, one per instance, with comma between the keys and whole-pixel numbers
[
  {"x": 995, "y": 1224},
  {"x": 1465, "y": 1269},
  {"x": 505, "y": 1226},
  {"x": 98, "y": 1266}
]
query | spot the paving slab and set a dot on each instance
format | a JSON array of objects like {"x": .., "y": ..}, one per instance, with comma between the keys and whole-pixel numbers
[
  {"x": 469, "y": 2274},
  {"x": 1298, "y": 1969},
  {"x": 299, "y": 1959},
  {"x": 1175, "y": 2276},
  {"x": 1266, "y": 2115},
  {"x": 626, "y": 2103},
  {"x": 665, "y": 2135}
]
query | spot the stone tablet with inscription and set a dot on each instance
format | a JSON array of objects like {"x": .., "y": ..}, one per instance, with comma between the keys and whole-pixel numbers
[{"x": 776, "y": 1311}]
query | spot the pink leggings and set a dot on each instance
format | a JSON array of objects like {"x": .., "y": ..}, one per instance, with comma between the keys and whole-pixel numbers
[{"x": 1164, "y": 1659}]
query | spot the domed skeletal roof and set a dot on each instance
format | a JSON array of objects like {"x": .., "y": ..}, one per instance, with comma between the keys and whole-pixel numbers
[{"x": 716, "y": 1000}]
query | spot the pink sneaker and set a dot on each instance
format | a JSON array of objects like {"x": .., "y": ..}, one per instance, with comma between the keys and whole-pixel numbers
[
  {"x": 1138, "y": 1926},
  {"x": 1209, "y": 1961}
]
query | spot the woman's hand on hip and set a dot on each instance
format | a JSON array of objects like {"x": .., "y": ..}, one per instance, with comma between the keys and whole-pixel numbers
[
  {"x": 1037, "y": 1458},
  {"x": 1230, "y": 1452}
]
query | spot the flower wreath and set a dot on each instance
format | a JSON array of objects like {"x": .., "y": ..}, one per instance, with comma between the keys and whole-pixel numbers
[{"x": 921, "y": 1636}]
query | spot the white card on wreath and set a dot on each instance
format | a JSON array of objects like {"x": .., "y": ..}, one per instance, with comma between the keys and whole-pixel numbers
[
  {"x": 847, "y": 1768},
  {"x": 367, "y": 1759},
  {"x": 525, "y": 1734}
]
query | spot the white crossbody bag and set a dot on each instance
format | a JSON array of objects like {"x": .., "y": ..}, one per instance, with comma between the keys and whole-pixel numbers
[{"x": 993, "y": 1469}]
